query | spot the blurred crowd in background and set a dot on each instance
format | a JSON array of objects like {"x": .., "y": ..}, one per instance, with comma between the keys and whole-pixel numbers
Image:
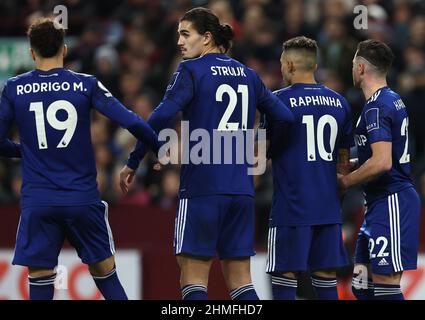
[{"x": 130, "y": 46}]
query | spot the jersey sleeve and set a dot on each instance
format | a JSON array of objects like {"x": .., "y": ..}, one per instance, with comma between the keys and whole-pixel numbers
[
  {"x": 270, "y": 104},
  {"x": 181, "y": 88},
  {"x": 108, "y": 105},
  {"x": 378, "y": 118},
  {"x": 178, "y": 95},
  {"x": 6, "y": 106},
  {"x": 347, "y": 139},
  {"x": 8, "y": 148}
]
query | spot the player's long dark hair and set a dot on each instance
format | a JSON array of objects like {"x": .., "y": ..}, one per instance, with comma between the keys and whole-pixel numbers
[{"x": 204, "y": 20}]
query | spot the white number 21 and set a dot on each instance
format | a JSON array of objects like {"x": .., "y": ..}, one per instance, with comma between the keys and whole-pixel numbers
[{"x": 69, "y": 124}]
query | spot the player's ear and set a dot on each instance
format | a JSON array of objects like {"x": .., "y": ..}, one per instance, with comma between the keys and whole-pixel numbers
[
  {"x": 362, "y": 68},
  {"x": 32, "y": 54},
  {"x": 208, "y": 38},
  {"x": 65, "y": 50},
  {"x": 290, "y": 66}
]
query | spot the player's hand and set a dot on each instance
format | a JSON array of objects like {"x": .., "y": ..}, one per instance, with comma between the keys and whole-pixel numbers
[
  {"x": 158, "y": 166},
  {"x": 159, "y": 162},
  {"x": 126, "y": 178}
]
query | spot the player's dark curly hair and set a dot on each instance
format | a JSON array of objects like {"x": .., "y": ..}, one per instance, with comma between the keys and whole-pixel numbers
[
  {"x": 204, "y": 20},
  {"x": 377, "y": 53},
  {"x": 45, "y": 38}
]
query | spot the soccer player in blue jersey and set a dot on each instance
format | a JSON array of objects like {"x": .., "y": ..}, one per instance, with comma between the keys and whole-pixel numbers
[
  {"x": 305, "y": 219},
  {"x": 51, "y": 107},
  {"x": 387, "y": 243},
  {"x": 216, "y": 208}
]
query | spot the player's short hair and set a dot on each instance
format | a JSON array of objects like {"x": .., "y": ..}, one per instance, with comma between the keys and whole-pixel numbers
[
  {"x": 376, "y": 53},
  {"x": 45, "y": 37},
  {"x": 204, "y": 20},
  {"x": 304, "y": 45}
]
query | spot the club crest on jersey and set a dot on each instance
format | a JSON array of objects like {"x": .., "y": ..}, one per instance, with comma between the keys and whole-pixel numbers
[
  {"x": 372, "y": 119},
  {"x": 173, "y": 81}
]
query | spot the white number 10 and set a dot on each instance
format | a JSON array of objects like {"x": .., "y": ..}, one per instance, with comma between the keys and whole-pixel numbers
[
  {"x": 69, "y": 124},
  {"x": 311, "y": 139}
]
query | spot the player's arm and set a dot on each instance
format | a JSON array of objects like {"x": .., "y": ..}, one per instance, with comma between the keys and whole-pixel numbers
[
  {"x": 179, "y": 93},
  {"x": 159, "y": 119},
  {"x": 379, "y": 163},
  {"x": 378, "y": 121},
  {"x": 8, "y": 148},
  {"x": 343, "y": 162},
  {"x": 105, "y": 103},
  {"x": 272, "y": 106}
]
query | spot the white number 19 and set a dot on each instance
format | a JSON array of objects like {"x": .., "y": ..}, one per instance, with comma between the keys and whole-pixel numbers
[{"x": 69, "y": 124}]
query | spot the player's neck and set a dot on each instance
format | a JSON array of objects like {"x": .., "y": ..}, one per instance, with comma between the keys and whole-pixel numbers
[
  {"x": 370, "y": 87},
  {"x": 303, "y": 78},
  {"x": 49, "y": 63},
  {"x": 210, "y": 50}
]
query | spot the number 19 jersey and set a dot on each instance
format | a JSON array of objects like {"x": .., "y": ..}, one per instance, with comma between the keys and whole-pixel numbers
[
  {"x": 304, "y": 163},
  {"x": 52, "y": 110}
]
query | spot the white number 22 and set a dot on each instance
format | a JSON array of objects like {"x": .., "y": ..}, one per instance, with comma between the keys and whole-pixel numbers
[
  {"x": 69, "y": 124},
  {"x": 405, "y": 158}
]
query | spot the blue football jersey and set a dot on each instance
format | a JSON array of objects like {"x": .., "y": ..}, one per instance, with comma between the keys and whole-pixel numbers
[
  {"x": 384, "y": 118},
  {"x": 52, "y": 111},
  {"x": 220, "y": 95},
  {"x": 304, "y": 162}
]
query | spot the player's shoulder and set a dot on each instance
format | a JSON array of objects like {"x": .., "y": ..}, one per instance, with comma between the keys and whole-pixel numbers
[
  {"x": 384, "y": 98},
  {"x": 336, "y": 94},
  {"x": 283, "y": 91},
  {"x": 79, "y": 75},
  {"x": 12, "y": 83},
  {"x": 20, "y": 78}
]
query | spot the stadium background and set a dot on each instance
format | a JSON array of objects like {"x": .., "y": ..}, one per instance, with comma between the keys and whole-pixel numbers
[{"x": 131, "y": 47}]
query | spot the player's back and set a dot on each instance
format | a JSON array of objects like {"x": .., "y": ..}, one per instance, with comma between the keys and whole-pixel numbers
[
  {"x": 304, "y": 167},
  {"x": 384, "y": 118},
  {"x": 225, "y": 97},
  {"x": 52, "y": 111}
]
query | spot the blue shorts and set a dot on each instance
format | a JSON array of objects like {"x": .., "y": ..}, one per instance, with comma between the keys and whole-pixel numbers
[
  {"x": 219, "y": 223},
  {"x": 302, "y": 248},
  {"x": 43, "y": 229},
  {"x": 389, "y": 237}
]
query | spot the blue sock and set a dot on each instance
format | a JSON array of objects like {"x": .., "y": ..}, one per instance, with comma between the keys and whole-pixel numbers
[
  {"x": 362, "y": 291},
  {"x": 42, "y": 288},
  {"x": 194, "y": 292},
  {"x": 388, "y": 292},
  {"x": 284, "y": 288},
  {"x": 325, "y": 287},
  {"x": 110, "y": 286},
  {"x": 245, "y": 292}
]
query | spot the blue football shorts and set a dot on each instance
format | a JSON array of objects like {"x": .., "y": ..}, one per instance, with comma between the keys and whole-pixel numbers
[
  {"x": 43, "y": 229},
  {"x": 302, "y": 248},
  {"x": 222, "y": 224},
  {"x": 389, "y": 237}
]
